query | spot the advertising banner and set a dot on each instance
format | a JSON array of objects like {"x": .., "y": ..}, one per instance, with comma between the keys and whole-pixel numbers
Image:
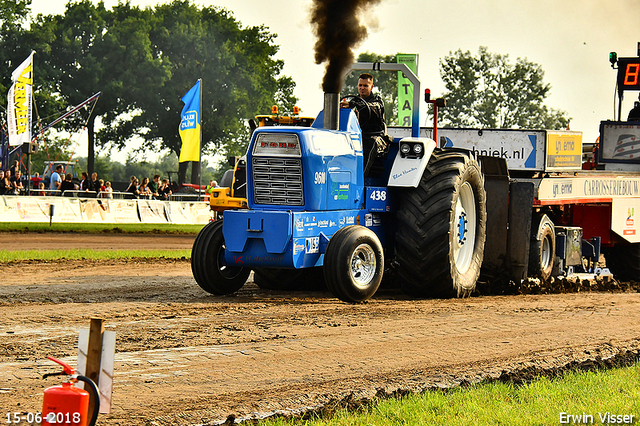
[
  {"x": 152, "y": 211},
  {"x": 80, "y": 210},
  {"x": 19, "y": 103},
  {"x": 564, "y": 151},
  {"x": 178, "y": 212},
  {"x": 405, "y": 89}
]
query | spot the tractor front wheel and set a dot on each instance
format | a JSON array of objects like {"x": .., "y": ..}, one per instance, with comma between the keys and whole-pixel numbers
[
  {"x": 208, "y": 266},
  {"x": 354, "y": 264}
]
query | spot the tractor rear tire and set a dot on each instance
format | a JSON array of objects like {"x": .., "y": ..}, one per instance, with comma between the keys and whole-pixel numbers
[
  {"x": 307, "y": 279},
  {"x": 542, "y": 250},
  {"x": 441, "y": 228},
  {"x": 624, "y": 262},
  {"x": 353, "y": 264},
  {"x": 208, "y": 266}
]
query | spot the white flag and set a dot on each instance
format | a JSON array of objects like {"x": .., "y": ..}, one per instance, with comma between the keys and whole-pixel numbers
[{"x": 19, "y": 103}]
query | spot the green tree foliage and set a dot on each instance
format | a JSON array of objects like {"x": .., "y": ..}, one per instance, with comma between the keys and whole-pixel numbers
[
  {"x": 385, "y": 84},
  {"x": 143, "y": 61},
  {"x": 240, "y": 78},
  {"x": 13, "y": 14},
  {"x": 90, "y": 49},
  {"x": 488, "y": 91}
]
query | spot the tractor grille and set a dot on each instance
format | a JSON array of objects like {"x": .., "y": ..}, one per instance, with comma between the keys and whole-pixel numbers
[{"x": 278, "y": 181}]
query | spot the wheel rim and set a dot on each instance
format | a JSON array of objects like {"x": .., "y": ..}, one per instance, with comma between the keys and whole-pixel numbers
[
  {"x": 228, "y": 272},
  {"x": 545, "y": 253},
  {"x": 464, "y": 228},
  {"x": 363, "y": 265}
]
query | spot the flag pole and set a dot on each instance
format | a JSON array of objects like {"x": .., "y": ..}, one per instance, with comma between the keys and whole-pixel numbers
[{"x": 200, "y": 147}]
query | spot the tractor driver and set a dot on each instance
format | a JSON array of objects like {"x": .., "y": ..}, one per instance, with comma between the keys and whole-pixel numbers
[{"x": 370, "y": 111}]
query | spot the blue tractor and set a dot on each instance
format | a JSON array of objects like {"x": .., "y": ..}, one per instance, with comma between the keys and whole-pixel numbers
[{"x": 310, "y": 212}]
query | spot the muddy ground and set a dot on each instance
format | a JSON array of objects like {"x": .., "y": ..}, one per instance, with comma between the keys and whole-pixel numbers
[{"x": 184, "y": 357}]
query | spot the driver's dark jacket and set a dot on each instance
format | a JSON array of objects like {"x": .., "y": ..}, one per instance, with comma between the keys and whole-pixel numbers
[{"x": 374, "y": 122}]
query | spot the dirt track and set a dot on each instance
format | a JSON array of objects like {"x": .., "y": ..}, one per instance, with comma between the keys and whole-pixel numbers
[{"x": 185, "y": 357}]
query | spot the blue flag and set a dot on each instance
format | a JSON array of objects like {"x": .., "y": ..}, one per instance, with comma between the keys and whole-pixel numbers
[{"x": 190, "y": 125}]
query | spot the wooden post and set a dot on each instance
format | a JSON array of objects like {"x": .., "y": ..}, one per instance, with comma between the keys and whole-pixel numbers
[{"x": 94, "y": 353}]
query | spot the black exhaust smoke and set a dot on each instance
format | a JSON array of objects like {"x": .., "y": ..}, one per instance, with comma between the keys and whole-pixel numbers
[{"x": 338, "y": 31}]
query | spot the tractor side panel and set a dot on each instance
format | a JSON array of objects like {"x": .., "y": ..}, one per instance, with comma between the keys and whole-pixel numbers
[{"x": 270, "y": 239}]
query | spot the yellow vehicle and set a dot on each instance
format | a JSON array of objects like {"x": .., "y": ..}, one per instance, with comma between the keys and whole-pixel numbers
[{"x": 232, "y": 191}]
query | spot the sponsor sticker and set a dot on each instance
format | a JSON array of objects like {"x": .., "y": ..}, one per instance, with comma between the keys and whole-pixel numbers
[
  {"x": 298, "y": 245},
  {"x": 312, "y": 245}
]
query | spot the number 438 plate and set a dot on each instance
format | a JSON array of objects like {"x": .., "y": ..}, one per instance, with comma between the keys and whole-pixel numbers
[{"x": 378, "y": 199}]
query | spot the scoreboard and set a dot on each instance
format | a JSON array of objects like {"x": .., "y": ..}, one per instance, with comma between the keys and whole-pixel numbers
[{"x": 628, "y": 74}]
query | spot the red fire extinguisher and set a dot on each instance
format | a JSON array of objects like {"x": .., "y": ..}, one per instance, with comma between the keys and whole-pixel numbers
[{"x": 67, "y": 404}]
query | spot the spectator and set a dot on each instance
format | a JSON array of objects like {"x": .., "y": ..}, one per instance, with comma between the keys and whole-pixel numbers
[
  {"x": 56, "y": 180},
  {"x": 14, "y": 167},
  {"x": 84, "y": 182},
  {"x": 108, "y": 191},
  {"x": 94, "y": 184},
  {"x": 16, "y": 183},
  {"x": 67, "y": 185},
  {"x": 41, "y": 189},
  {"x": 35, "y": 181},
  {"x": 133, "y": 187},
  {"x": 102, "y": 188},
  {"x": 144, "y": 188},
  {"x": 212, "y": 184},
  {"x": 154, "y": 184},
  {"x": 164, "y": 191},
  {"x": 5, "y": 185}
]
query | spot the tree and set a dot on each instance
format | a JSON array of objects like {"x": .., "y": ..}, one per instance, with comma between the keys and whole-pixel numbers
[
  {"x": 143, "y": 61},
  {"x": 91, "y": 49},
  {"x": 13, "y": 14},
  {"x": 488, "y": 91},
  {"x": 386, "y": 83},
  {"x": 240, "y": 78}
]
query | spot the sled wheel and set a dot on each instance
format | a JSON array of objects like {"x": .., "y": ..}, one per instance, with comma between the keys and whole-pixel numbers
[
  {"x": 353, "y": 264},
  {"x": 542, "y": 249},
  {"x": 442, "y": 228},
  {"x": 208, "y": 266}
]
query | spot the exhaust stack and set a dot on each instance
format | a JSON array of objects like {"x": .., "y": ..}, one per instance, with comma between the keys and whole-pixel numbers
[{"x": 331, "y": 113}]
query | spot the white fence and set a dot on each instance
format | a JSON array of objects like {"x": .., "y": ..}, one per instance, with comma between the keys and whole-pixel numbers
[{"x": 92, "y": 210}]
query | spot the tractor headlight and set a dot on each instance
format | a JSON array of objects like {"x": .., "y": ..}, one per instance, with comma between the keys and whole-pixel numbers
[
  {"x": 405, "y": 148},
  {"x": 417, "y": 149}
]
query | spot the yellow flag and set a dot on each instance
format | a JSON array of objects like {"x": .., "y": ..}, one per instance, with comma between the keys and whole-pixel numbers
[{"x": 19, "y": 103}]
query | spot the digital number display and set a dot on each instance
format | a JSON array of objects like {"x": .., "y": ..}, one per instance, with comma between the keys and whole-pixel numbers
[{"x": 628, "y": 74}]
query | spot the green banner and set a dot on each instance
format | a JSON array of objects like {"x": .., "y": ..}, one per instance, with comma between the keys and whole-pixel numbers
[{"x": 405, "y": 88}]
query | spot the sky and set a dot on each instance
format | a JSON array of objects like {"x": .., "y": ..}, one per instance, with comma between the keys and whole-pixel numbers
[{"x": 569, "y": 39}]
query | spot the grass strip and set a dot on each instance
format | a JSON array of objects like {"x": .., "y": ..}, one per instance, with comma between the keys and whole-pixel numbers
[
  {"x": 116, "y": 228},
  {"x": 91, "y": 254},
  {"x": 577, "y": 397}
]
